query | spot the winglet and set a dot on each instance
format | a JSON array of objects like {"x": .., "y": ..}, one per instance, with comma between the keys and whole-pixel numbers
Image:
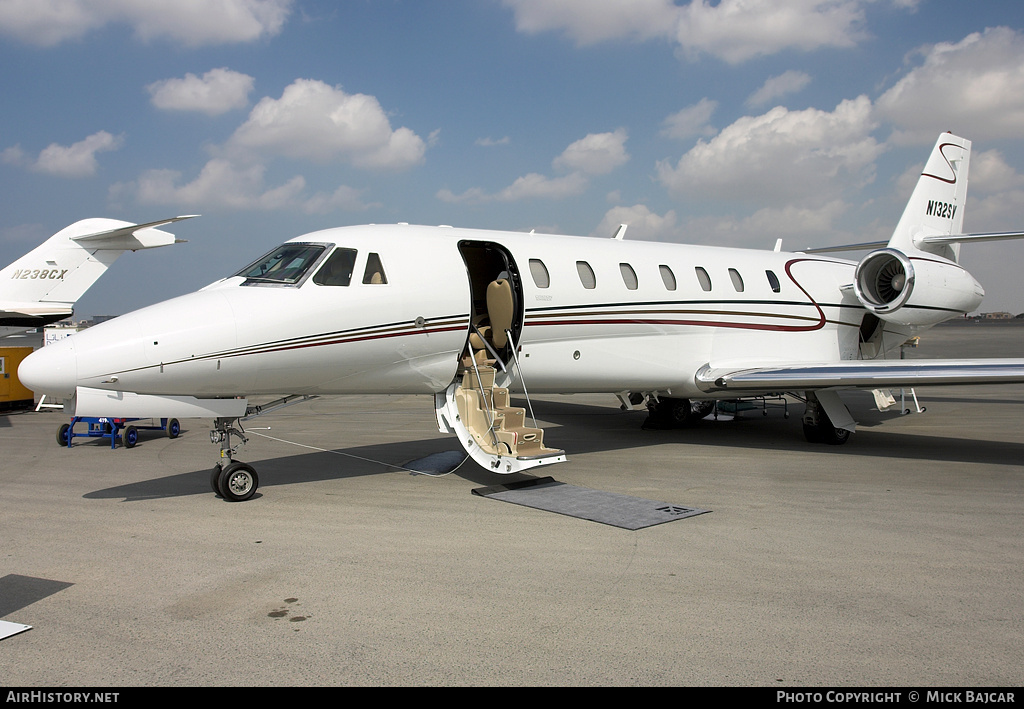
[{"x": 620, "y": 232}]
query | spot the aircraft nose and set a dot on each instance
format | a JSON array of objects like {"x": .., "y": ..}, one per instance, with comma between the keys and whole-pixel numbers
[{"x": 52, "y": 370}]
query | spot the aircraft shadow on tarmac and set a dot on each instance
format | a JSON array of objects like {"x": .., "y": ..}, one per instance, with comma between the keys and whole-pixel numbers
[{"x": 581, "y": 428}]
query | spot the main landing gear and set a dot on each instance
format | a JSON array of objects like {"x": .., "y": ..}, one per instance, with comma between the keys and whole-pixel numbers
[
  {"x": 666, "y": 413},
  {"x": 232, "y": 479},
  {"x": 818, "y": 427},
  {"x": 670, "y": 413}
]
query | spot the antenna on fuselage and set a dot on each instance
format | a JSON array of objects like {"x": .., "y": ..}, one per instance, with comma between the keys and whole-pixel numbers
[{"x": 621, "y": 232}]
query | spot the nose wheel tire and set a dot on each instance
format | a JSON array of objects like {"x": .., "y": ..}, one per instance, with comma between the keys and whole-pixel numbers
[
  {"x": 215, "y": 479},
  {"x": 236, "y": 482}
]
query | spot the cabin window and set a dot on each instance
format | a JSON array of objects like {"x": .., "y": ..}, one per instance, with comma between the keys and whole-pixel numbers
[
  {"x": 337, "y": 270},
  {"x": 667, "y": 277},
  {"x": 540, "y": 273},
  {"x": 628, "y": 276},
  {"x": 374, "y": 272},
  {"x": 737, "y": 280},
  {"x": 587, "y": 277},
  {"x": 773, "y": 281},
  {"x": 286, "y": 264},
  {"x": 703, "y": 278}
]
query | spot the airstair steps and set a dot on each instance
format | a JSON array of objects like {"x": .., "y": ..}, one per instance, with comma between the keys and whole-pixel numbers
[{"x": 497, "y": 427}]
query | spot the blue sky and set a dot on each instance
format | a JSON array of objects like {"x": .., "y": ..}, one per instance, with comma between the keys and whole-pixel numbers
[{"x": 734, "y": 122}]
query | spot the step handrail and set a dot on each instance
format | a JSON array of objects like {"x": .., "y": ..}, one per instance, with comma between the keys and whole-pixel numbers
[
  {"x": 488, "y": 406},
  {"x": 522, "y": 379}
]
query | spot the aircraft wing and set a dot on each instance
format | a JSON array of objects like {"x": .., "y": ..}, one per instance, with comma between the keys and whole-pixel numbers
[{"x": 860, "y": 374}]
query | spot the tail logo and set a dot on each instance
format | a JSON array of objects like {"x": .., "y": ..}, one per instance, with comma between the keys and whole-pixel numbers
[{"x": 952, "y": 170}]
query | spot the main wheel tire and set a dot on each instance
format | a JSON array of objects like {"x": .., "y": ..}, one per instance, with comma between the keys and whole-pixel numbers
[
  {"x": 130, "y": 436},
  {"x": 812, "y": 433},
  {"x": 834, "y": 436},
  {"x": 699, "y": 408},
  {"x": 825, "y": 432},
  {"x": 238, "y": 482},
  {"x": 173, "y": 428},
  {"x": 63, "y": 433}
]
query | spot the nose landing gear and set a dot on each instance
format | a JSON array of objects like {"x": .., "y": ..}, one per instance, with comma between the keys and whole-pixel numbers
[{"x": 232, "y": 479}]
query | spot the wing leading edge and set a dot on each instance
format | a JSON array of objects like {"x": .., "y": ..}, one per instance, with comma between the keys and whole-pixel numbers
[{"x": 861, "y": 374}]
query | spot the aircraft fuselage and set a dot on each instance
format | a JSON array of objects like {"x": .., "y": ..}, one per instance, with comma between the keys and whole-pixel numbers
[{"x": 591, "y": 315}]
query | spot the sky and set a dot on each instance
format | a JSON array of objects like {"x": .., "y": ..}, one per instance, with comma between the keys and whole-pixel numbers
[{"x": 728, "y": 122}]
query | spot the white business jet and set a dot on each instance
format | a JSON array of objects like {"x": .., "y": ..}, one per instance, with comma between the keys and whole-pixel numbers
[
  {"x": 467, "y": 315},
  {"x": 43, "y": 285}
]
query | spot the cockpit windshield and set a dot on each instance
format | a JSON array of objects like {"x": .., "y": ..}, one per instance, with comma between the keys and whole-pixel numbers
[{"x": 287, "y": 263}]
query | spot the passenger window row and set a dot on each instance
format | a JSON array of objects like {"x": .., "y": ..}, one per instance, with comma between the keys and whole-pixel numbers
[{"x": 588, "y": 278}]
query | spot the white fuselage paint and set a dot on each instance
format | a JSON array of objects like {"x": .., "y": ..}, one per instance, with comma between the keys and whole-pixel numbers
[{"x": 406, "y": 336}]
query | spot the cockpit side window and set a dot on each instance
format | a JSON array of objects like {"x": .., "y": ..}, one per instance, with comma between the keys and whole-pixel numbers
[
  {"x": 286, "y": 264},
  {"x": 337, "y": 270},
  {"x": 374, "y": 273}
]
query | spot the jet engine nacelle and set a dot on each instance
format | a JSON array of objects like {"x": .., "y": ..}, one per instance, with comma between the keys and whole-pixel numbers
[{"x": 918, "y": 289}]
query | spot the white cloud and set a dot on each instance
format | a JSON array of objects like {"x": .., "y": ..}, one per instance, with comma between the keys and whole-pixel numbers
[
  {"x": 974, "y": 88},
  {"x": 316, "y": 122},
  {"x": 732, "y": 30},
  {"x": 642, "y": 223},
  {"x": 791, "y": 220},
  {"x": 191, "y": 22},
  {"x": 739, "y": 30},
  {"x": 311, "y": 122},
  {"x": 532, "y": 186},
  {"x": 217, "y": 91},
  {"x": 77, "y": 160},
  {"x": 345, "y": 198},
  {"x": 220, "y": 183},
  {"x": 692, "y": 120},
  {"x": 13, "y": 155},
  {"x": 590, "y": 21},
  {"x": 595, "y": 154},
  {"x": 223, "y": 184},
  {"x": 989, "y": 173},
  {"x": 789, "y": 82},
  {"x": 805, "y": 157},
  {"x": 799, "y": 227},
  {"x": 491, "y": 142}
]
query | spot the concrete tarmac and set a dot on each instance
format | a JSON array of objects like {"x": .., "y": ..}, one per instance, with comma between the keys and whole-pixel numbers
[{"x": 896, "y": 560}]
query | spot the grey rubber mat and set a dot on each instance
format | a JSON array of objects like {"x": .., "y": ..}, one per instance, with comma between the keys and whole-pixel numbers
[{"x": 604, "y": 507}]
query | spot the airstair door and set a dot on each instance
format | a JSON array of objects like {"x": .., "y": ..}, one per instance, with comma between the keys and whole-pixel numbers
[{"x": 476, "y": 405}]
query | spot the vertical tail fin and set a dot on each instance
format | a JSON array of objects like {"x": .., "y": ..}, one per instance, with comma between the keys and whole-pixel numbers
[
  {"x": 49, "y": 279},
  {"x": 936, "y": 206}
]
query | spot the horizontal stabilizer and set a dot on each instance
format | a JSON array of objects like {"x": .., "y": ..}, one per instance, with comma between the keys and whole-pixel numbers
[
  {"x": 862, "y": 374},
  {"x": 132, "y": 236},
  {"x": 35, "y": 310},
  {"x": 936, "y": 239},
  {"x": 122, "y": 404}
]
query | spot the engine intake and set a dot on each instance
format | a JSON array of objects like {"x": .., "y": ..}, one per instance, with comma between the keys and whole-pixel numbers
[
  {"x": 884, "y": 280},
  {"x": 915, "y": 289}
]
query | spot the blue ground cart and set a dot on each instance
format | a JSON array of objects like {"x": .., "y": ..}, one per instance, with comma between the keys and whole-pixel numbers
[{"x": 113, "y": 428}]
